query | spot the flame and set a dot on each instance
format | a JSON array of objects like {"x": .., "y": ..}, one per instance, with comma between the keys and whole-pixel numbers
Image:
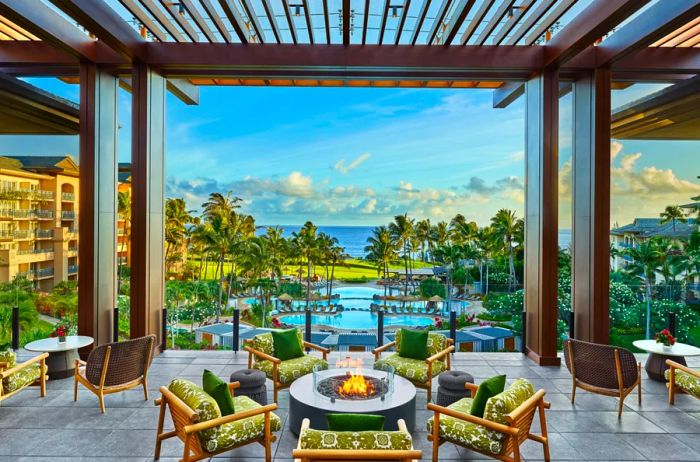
[{"x": 356, "y": 385}]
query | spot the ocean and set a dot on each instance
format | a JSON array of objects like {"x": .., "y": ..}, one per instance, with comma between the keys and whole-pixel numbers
[{"x": 354, "y": 238}]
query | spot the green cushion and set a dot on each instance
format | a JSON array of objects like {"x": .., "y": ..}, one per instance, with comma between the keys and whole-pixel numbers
[
  {"x": 21, "y": 378},
  {"x": 264, "y": 344},
  {"x": 355, "y": 422},
  {"x": 291, "y": 369},
  {"x": 245, "y": 430},
  {"x": 414, "y": 344},
  {"x": 687, "y": 382},
  {"x": 319, "y": 439},
  {"x": 409, "y": 368},
  {"x": 9, "y": 357},
  {"x": 199, "y": 401},
  {"x": 286, "y": 344},
  {"x": 436, "y": 343},
  {"x": 498, "y": 407},
  {"x": 218, "y": 389},
  {"x": 487, "y": 389}
]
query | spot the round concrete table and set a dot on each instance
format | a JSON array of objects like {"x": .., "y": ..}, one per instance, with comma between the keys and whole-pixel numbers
[
  {"x": 62, "y": 355},
  {"x": 656, "y": 362},
  {"x": 305, "y": 402}
]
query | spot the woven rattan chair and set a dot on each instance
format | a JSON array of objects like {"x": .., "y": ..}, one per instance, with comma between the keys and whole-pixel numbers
[
  {"x": 115, "y": 367},
  {"x": 603, "y": 369}
]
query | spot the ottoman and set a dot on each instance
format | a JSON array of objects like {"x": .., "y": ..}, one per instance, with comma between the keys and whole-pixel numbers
[
  {"x": 451, "y": 387},
  {"x": 252, "y": 385}
]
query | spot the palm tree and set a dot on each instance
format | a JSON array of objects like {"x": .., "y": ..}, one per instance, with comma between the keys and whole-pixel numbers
[
  {"x": 423, "y": 228},
  {"x": 448, "y": 256},
  {"x": 672, "y": 213},
  {"x": 463, "y": 231},
  {"x": 336, "y": 255},
  {"x": 124, "y": 212},
  {"x": 646, "y": 259},
  {"x": 382, "y": 250},
  {"x": 401, "y": 232},
  {"x": 507, "y": 228},
  {"x": 279, "y": 250},
  {"x": 177, "y": 218},
  {"x": 307, "y": 245}
]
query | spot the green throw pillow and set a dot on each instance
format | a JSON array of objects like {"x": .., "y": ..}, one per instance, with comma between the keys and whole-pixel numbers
[
  {"x": 414, "y": 344},
  {"x": 218, "y": 389},
  {"x": 355, "y": 422},
  {"x": 487, "y": 389},
  {"x": 286, "y": 344}
]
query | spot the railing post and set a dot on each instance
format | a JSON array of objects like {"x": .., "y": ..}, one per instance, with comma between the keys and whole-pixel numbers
[
  {"x": 236, "y": 329},
  {"x": 15, "y": 328},
  {"x": 572, "y": 319},
  {"x": 115, "y": 324},
  {"x": 523, "y": 335},
  {"x": 453, "y": 327},
  {"x": 307, "y": 325},
  {"x": 164, "y": 331},
  {"x": 672, "y": 323},
  {"x": 380, "y": 327}
]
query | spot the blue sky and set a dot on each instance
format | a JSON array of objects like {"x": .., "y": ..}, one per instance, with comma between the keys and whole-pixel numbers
[{"x": 359, "y": 156}]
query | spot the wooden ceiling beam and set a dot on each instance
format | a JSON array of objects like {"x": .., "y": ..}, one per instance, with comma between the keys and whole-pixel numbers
[
  {"x": 309, "y": 24},
  {"x": 218, "y": 23},
  {"x": 253, "y": 18},
  {"x": 290, "y": 21},
  {"x": 326, "y": 22},
  {"x": 365, "y": 20},
  {"x": 458, "y": 16},
  {"x": 385, "y": 15},
  {"x": 162, "y": 20},
  {"x": 199, "y": 20},
  {"x": 530, "y": 21},
  {"x": 514, "y": 17},
  {"x": 420, "y": 20},
  {"x": 144, "y": 19},
  {"x": 236, "y": 20},
  {"x": 174, "y": 12},
  {"x": 476, "y": 20},
  {"x": 438, "y": 22},
  {"x": 346, "y": 23},
  {"x": 272, "y": 20},
  {"x": 402, "y": 22},
  {"x": 498, "y": 15}
]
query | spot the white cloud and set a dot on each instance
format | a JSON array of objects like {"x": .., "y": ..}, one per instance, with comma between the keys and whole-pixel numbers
[{"x": 352, "y": 165}]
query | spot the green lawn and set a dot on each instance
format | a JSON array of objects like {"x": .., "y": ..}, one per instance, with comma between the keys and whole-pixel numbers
[{"x": 351, "y": 270}]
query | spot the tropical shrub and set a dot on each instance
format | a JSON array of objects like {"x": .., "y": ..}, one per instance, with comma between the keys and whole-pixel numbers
[{"x": 431, "y": 287}]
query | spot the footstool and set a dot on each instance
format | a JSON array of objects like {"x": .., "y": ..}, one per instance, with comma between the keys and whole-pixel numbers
[
  {"x": 252, "y": 385},
  {"x": 451, "y": 387}
]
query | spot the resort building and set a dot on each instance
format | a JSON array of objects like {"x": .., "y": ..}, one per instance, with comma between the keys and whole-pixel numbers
[
  {"x": 38, "y": 219},
  {"x": 124, "y": 216}
]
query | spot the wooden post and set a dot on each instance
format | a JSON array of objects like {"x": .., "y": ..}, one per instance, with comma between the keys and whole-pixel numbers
[
  {"x": 97, "y": 245},
  {"x": 148, "y": 198},
  {"x": 541, "y": 215},
  {"x": 590, "y": 278}
]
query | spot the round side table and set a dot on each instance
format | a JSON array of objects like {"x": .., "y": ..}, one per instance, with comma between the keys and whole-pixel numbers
[
  {"x": 62, "y": 355},
  {"x": 656, "y": 362},
  {"x": 252, "y": 385}
]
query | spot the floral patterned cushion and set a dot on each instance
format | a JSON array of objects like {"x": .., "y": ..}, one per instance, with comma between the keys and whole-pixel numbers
[
  {"x": 436, "y": 343},
  {"x": 475, "y": 436},
  {"x": 321, "y": 439},
  {"x": 689, "y": 383},
  {"x": 199, "y": 401},
  {"x": 9, "y": 357},
  {"x": 291, "y": 369},
  {"x": 412, "y": 369},
  {"x": 21, "y": 378},
  {"x": 244, "y": 430},
  {"x": 264, "y": 344}
]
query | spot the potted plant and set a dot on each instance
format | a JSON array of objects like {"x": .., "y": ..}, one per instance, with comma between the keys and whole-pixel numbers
[
  {"x": 666, "y": 339},
  {"x": 61, "y": 331}
]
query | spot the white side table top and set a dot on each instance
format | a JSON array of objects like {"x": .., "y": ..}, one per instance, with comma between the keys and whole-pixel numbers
[
  {"x": 679, "y": 349},
  {"x": 52, "y": 345}
]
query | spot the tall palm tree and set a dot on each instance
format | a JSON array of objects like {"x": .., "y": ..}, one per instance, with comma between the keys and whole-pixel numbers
[
  {"x": 423, "y": 228},
  {"x": 646, "y": 258},
  {"x": 402, "y": 231},
  {"x": 673, "y": 213},
  {"x": 124, "y": 212},
  {"x": 307, "y": 245},
  {"x": 507, "y": 228},
  {"x": 336, "y": 255},
  {"x": 448, "y": 256},
  {"x": 382, "y": 250},
  {"x": 279, "y": 250},
  {"x": 177, "y": 218}
]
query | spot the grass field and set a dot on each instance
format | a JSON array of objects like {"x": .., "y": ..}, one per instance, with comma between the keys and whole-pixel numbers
[{"x": 349, "y": 270}]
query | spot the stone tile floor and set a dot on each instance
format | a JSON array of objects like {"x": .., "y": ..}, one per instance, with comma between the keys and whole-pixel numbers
[{"x": 58, "y": 429}]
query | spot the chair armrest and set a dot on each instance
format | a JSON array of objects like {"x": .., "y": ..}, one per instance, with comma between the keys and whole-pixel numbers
[
  {"x": 472, "y": 387},
  {"x": 229, "y": 418},
  {"x": 313, "y": 346},
  {"x": 262, "y": 355},
  {"x": 79, "y": 362},
  {"x": 674, "y": 365},
  {"x": 473, "y": 419},
  {"x": 18, "y": 367},
  {"x": 440, "y": 354},
  {"x": 377, "y": 351}
]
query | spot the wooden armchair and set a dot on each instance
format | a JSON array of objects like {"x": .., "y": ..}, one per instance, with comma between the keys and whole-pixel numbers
[
  {"x": 16, "y": 377},
  {"x": 496, "y": 435},
  {"x": 314, "y": 445},
  {"x": 419, "y": 372},
  {"x": 681, "y": 379},
  {"x": 603, "y": 369},
  {"x": 204, "y": 432},
  {"x": 261, "y": 356},
  {"x": 115, "y": 367}
]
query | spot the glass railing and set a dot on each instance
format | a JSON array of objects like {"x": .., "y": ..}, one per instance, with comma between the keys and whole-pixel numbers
[
  {"x": 34, "y": 251},
  {"x": 68, "y": 197},
  {"x": 72, "y": 269},
  {"x": 43, "y": 233},
  {"x": 44, "y": 272},
  {"x": 67, "y": 215}
]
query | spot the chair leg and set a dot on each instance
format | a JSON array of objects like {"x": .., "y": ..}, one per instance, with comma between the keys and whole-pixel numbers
[
  {"x": 75, "y": 390},
  {"x": 639, "y": 392},
  {"x": 545, "y": 448},
  {"x": 573, "y": 392},
  {"x": 429, "y": 390},
  {"x": 161, "y": 421},
  {"x": 274, "y": 393},
  {"x": 145, "y": 389},
  {"x": 436, "y": 436},
  {"x": 620, "y": 405},
  {"x": 101, "y": 398},
  {"x": 42, "y": 379}
]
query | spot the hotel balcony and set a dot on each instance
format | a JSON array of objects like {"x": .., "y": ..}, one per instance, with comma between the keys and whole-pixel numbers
[
  {"x": 72, "y": 252},
  {"x": 43, "y": 233},
  {"x": 72, "y": 269},
  {"x": 27, "y": 214},
  {"x": 67, "y": 197},
  {"x": 67, "y": 215},
  {"x": 43, "y": 273},
  {"x": 34, "y": 255}
]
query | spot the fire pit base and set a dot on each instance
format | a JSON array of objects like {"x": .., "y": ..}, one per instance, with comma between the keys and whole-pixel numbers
[{"x": 305, "y": 403}]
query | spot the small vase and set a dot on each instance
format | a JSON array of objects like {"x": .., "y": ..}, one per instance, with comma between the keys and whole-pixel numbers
[
  {"x": 667, "y": 347},
  {"x": 62, "y": 339}
]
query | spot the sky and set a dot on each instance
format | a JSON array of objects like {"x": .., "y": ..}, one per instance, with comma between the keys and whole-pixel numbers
[{"x": 353, "y": 156}]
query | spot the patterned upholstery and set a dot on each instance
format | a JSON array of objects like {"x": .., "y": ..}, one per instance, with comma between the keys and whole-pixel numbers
[
  {"x": 687, "y": 382},
  {"x": 264, "y": 344},
  {"x": 321, "y": 439},
  {"x": 9, "y": 357},
  {"x": 227, "y": 435},
  {"x": 436, "y": 343},
  {"x": 475, "y": 436},
  {"x": 291, "y": 369},
  {"x": 21, "y": 378},
  {"x": 412, "y": 369}
]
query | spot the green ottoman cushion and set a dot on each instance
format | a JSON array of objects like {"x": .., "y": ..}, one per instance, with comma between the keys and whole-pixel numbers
[
  {"x": 291, "y": 369},
  {"x": 412, "y": 369},
  {"x": 265, "y": 344},
  {"x": 321, "y": 439}
]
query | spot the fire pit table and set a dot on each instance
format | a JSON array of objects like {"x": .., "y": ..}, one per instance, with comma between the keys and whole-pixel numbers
[{"x": 350, "y": 389}]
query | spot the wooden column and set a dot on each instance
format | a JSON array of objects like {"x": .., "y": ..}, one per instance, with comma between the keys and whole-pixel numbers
[
  {"x": 97, "y": 243},
  {"x": 591, "y": 207},
  {"x": 541, "y": 215},
  {"x": 148, "y": 197}
]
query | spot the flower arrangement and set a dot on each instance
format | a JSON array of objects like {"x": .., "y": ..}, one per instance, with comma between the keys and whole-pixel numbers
[
  {"x": 438, "y": 322},
  {"x": 665, "y": 338},
  {"x": 276, "y": 322},
  {"x": 61, "y": 331}
]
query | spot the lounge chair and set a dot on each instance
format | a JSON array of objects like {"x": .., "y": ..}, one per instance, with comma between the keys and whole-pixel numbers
[
  {"x": 681, "y": 379},
  {"x": 325, "y": 445},
  {"x": 16, "y": 377},
  {"x": 199, "y": 424},
  {"x": 505, "y": 426},
  {"x": 603, "y": 369}
]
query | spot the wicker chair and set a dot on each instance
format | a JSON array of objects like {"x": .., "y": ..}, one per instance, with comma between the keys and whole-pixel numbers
[
  {"x": 115, "y": 367},
  {"x": 681, "y": 379},
  {"x": 603, "y": 369}
]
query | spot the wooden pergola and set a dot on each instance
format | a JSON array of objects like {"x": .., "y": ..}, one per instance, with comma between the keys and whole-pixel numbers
[{"x": 537, "y": 49}]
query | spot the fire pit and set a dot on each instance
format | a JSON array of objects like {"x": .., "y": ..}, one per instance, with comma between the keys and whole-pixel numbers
[{"x": 349, "y": 388}]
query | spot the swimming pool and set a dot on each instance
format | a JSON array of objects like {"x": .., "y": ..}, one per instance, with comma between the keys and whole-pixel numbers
[{"x": 358, "y": 320}]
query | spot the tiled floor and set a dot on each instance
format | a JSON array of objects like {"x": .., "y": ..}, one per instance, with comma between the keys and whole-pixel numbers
[{"x": 57, "y": 429}]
